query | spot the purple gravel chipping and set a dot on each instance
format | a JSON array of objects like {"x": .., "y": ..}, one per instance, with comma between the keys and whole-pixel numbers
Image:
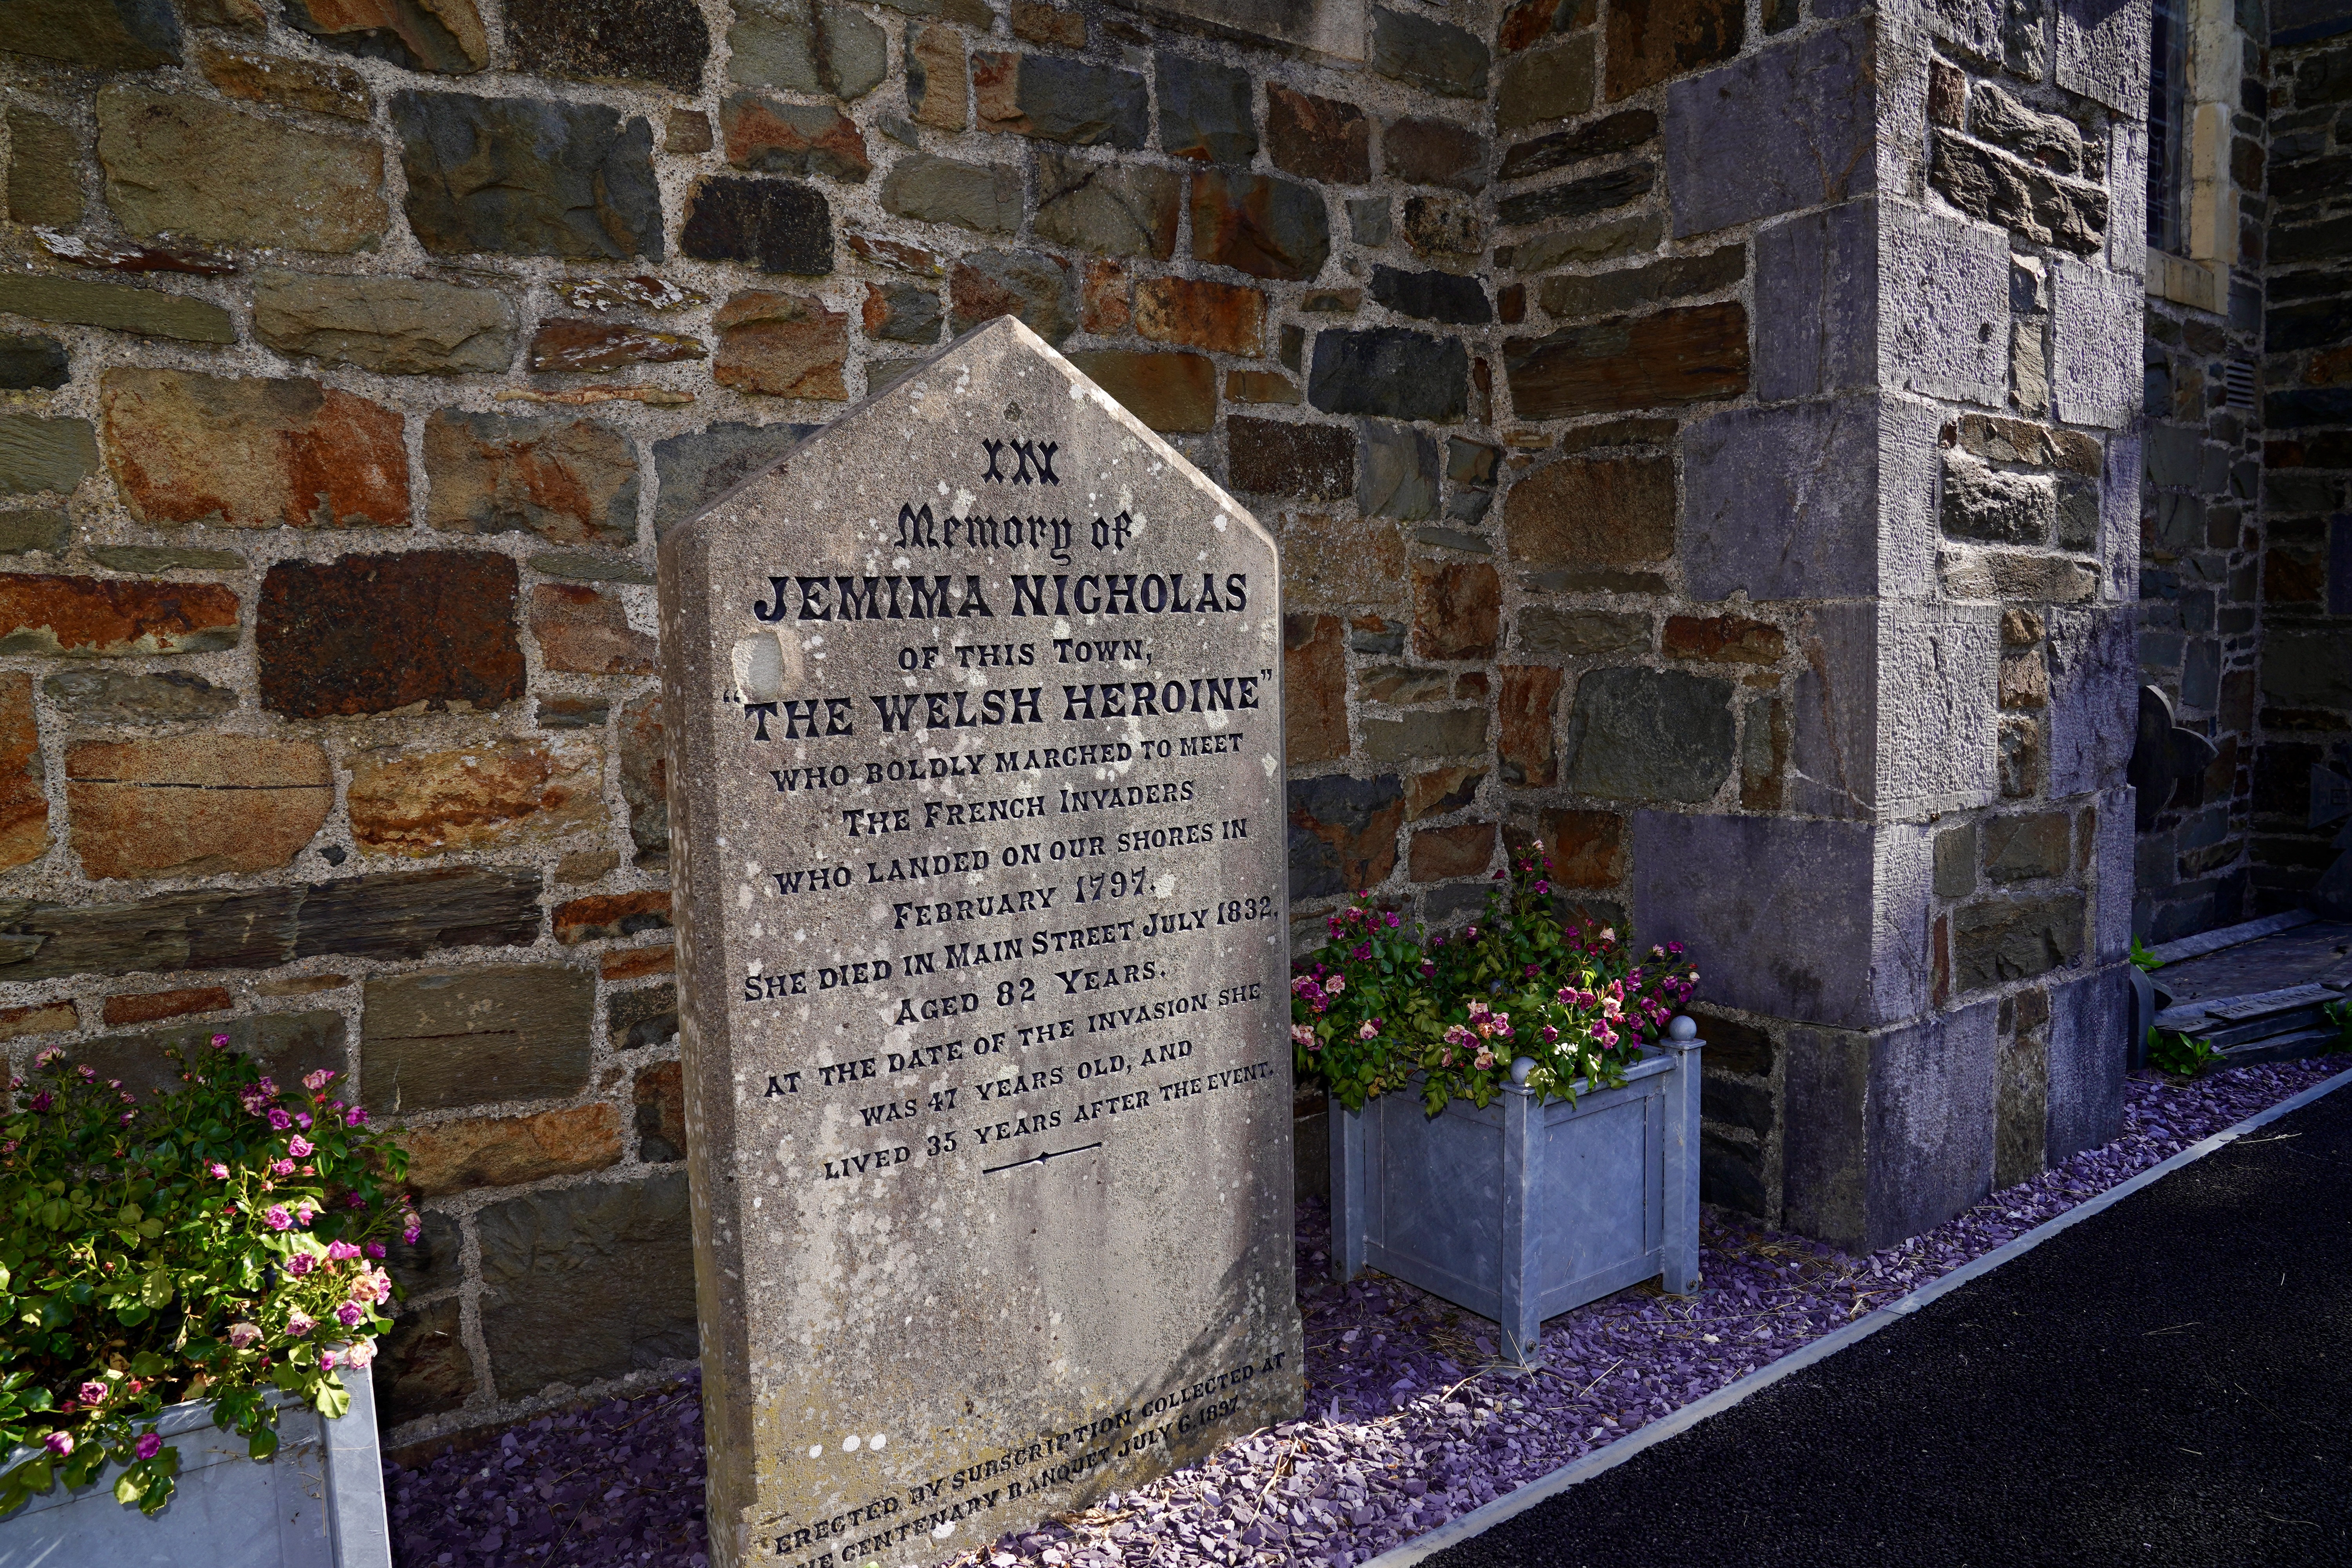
[{"x": 1409, "y": 1421}]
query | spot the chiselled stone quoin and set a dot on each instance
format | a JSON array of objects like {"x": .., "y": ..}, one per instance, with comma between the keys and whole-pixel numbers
[{"x": 976, "y": 774}]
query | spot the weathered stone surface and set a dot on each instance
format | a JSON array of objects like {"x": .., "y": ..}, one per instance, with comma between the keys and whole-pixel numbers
[
  {"x": 1723, "y": 639},
  {"x": 116, "y": 306},
  {"x": 1401, "y": 685},
  {"x": 203, "y": 171},
  {"x": 788, "y": 345},
  {"x": 406, "y": 326},
  {"x": 1891, "y": 709},
  {"x": 1109, "y": 208},
  {"x": 475, "y": 1037},
  {"x": 2001, "y": 940},
  {"x": 194, "y": 805},
  {"x": 820, "y": 48},
  {"x": 609, "y": 915},
  {"x": 1058, "y": 100},
  {"x": 636, "y": 963},
  {"x": 901, "y": 312},
  {"x": 1322, "y": 139},
  {"x": 2094, "y": 324},
  {"x": 1817, "y": 303},
  {"x": 778, "y": 138},
  {"x": 1444, "y": 226},
  {"x": 424, "y": 1367},
  {"x": 286, "y": 80},
  {"x": 1587, "y": 849},
  {"x": 1438, "y": 55},
  {"x": 95, "y": 617},
  {"x": 1314, "y": 687},
  {"x": 1557, "y": 149},
  {"x": 584, "y": 630},
  {"x": 1550, "y": 83},
  {"x": 2093, "y": 696},
  {"x": 1272, "y": 457},
  {"x": 660, "y": 1100},
  {"x": 1396, "y": 471},
  {"x": 287, "y": 1045},
  {"x": 44, "y": 170},
  {"x": 152, "y": 1006},
  {"x": 24, "y": 808},
  {"x": 1442, "y": 853},
  {"x": 1219, "y": 317},
  {"x": 2085, "y": 1106},
  {"x": 1343, "y": 833},
  {"x": 686, "y": 131},
  {"x": 1175, "y": 394},
  {"x": 1579, "y": 198},
  {"x": 186, "y": 448},
  {"x": 508, "y": 1151},
  {"x": 1457, "y": 609},
  {"x": 1559, "y": 631},
  {"x": 660, "y": 41},
  {"x": 2026, "y": 846},
  {"x": 1790, "y": 126},
  {"x": 529, "y": 178},
  {"x": 1783, "y": 503},
  {"x": 2009, "y": 192},
  {"x": 1258, "y": 224},
  {"x": 574, "y": 344},
  {"x": 697, "y": 467},
  {"x": 1644, "y": 734},
  {"x": 112, "y": 696},
  {"x": 1582, "y": 511},
  {"x": 1041, "y": 290},
  {"x": 1418, "y": 737},
  {"x": 1433, "y": 296},
  {"x": 1981, "y": 502},
  {"x": 1650, "y": 40},
  {"x": 983, "y": 198},
  {"x": 1441, "y": 790},
  {"x": 477, "y": 797},
  {"x": 642, "y": 1019},
  {"x": 444, "y": 36},
  {"x": 936, "y": 83},
  {"x": 624, "y": 1245},
  {"x": 32, "y": 364},
  {"x": 436, "y": 1263},
  {"x": 368, "y": 634},
  {"x": 1431, "y": 153},
  {"x": 33, "y": 529},
  {"x": 1390, "y": 373},
  {"x": 40, "y": 454},
  {"x": 59, "y": 1016},
  {"x": 130, "y": 34},
  {"x": 643, "y": 293},
  {"x": 1204, "y": 110},
  {"x": 1676, "y": 356},
  {"x": 1524, "y": 748},
  {"x": 1630, "y": 287},
  {"x": 645, "y": 777}
]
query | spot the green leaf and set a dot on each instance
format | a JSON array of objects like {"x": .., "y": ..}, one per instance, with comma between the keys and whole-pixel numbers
[
  {"x": 333, "y": 1400},
  {"x": 129, "y": 1486},
  {"x": 262, "y": 1444}
]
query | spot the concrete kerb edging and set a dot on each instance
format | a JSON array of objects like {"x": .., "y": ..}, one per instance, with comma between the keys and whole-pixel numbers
[{"x": 1517, "y": 1502}]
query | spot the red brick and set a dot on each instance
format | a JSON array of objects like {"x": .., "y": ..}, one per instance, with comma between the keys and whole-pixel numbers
[
  {"x": 1221, "y": 317},
  {"x": 1525, "y": 747},
  {"x": 1587, "y": 849},
  {"x": 1314, "y": 687},
  {"x": 367, "y": 633},
  {"x": 610, "y": 915},
  {"x": 113, "y": 616},
  {"x": 1457, "y": 609},
  {"x": 1440, "y": 853},
  {"x": 147, "y": 1006},
  {"x": 585, "y": 631},
  {"x": 253, "y": 453}
]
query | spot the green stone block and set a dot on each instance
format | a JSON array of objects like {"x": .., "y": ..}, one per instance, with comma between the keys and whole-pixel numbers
[
  {"x": 118, "y": 306},
  {"x": 38, "y": 455}
]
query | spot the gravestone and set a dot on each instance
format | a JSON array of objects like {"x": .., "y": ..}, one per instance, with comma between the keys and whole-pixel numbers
[{"x": 976, "y": 760}]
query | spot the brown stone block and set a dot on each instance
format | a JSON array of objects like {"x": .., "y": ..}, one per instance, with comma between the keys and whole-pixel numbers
[
  {"x": 571, "y": 481},
  {"x": 686, "y": 131},
  {"x": 110, "y": 615},
  {"x": 2027, "y": 847},
  {"x": 247, "y": 452},
  {"x": 1947, "y": 94},
  {"x": 1723, "y": 639},
  {"x": 476, "y": 797},
  {"x": 1339, "y": 561},
  {"x": 644, "y": 776},
  {"x": 1441, "y": 790},
  {"x": 198, "y": 170},
  {"x": 286, "y": 80},
  {"x": 636, "y": 963},
  {"x": 148, "y": 1006},
  {"x": 777, "y": 138},
  {"x": 1587, "y": 512},
  {"x": 1040, "y": 24},
  {"x": 508, "y": 1151},
  {"x": 1525, "y": 747},
  {"x": 195, "y": 805},
  {"x": 1219, "y": 317},
  {"x": 1317, "y": 138},
  {"x": 1314, "y": 687},
  {"x": 474, "y": 1037},
  {"x": 1651, "y": 40},
  {"x": 424, "y": 1368},
  {"x": 1529, "y": 21},
  {"x": 40, "y": 1018},
  {"x": 1106, "y": 306},
  {"x": 1260, "y": 387},
  {"x": 1587, "y": 849},
  {"x": 661, "y": 1113},
  {"x": 1256, "y": 224},
  {"x": 444, "y": 35},
  {"x": 1457, "y": 609},
  {"x": 1677, "y": 356},
  {"x": 611, "y": 915},
  {"x": 572, "y": 343},
  {"x": 1172, "y": 393},
  {"x": 1353, "y": 823},
  {"x": 368, "y": 634},
  {"x": 936, "y": 78},
  {"x": 788, "y": 345},
  {"x": 2024, "y": 679},
  {"x": 1440, "y": 853},
  {"x": 1401, "y": 685},
  {"x": 585, "y": 631},
  {"x": 24, "y": 808},
  {"x": 301, "y": 984}
]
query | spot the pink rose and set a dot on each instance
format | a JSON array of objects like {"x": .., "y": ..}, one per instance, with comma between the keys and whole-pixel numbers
[
  {"x": 92, "y": 1393},
  {"x": 358, "y": 1352},
  {"x": 299, "y": 1323},
  {"x": 219, "y": 1171},
  {"x": 59, "y": 1443},
  {"x": 149, "y": 1444},
  {"x": 355, "y": 1116},
  {"x": 349, "y": 1313},
  {"x": 318, "y": 1080},
  {"x": 279, "y": 1120},
  {"x": 244, "y": 1336},
  {"x": 301, "y": 1263},
  {"x": 342, "y": 1251},
  {"x": 300, "y": 1147}
]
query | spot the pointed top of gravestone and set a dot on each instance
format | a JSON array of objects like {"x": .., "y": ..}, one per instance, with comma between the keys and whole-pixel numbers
[{"x": 996, "y": 375}]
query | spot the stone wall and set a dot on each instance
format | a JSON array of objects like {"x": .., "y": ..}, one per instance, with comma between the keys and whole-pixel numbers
[
  {"x": 1690, "y": 428},
  {"x": 2305, "y": 715}
]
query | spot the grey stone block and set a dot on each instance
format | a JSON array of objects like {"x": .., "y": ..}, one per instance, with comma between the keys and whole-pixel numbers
[
  {"x": 1204, "y": 110},
  {"x": 436, "y": 1041},
  {"x": 1782, "y": 503},
  {"x": 1791, "y": 126},
  {"x": 1440, "y": 732},
  {"x": 1956, "y": 861},
  {"x": 2114, "y": 856},
  {"x": 627, "y": 1245},
  {"x": 1647, "y": 734},
  {"x": 1825, "y": 922},
  {"x": 2127, "y": 185},
  {"x": 1439, "y": 56},
  {"x": 1559, "y": 631},
  {"x": 1946, "y": 310},
  {"x": 2096, "y": 321},
  {"x": 44, "y": 455},
  {"x": 1817, "y": 303},
  {"x": 1396, "y": 471},
  {"x": 2090, "y": 1043},
  {"x": 1983, "y": 503},
  {"x": 2094, "y": 697},
  {"x": 698, "y": 468},
  {"x": 1894, "y": 717},
  {"x": 2103, "y": 53},
  {"x": 1974, "y": 25},
  {"x": 1109, "y": 208}
]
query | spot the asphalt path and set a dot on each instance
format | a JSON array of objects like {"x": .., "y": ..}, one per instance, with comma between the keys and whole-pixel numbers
[{"x": 2169, "y": 1383}]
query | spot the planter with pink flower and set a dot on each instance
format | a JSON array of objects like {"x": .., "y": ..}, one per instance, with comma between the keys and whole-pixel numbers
[
  {"x": 1514, "y": 1110},
  {"x": 192, "y": 1285}
]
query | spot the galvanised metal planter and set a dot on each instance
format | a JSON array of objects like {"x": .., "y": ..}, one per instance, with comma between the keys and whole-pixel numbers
[
  {"x": 317, "y": 1503},
  {"x": 1524, "y": 1210}
]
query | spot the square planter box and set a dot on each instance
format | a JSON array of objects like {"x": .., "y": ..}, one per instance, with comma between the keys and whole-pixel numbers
[
  {"x": 317, "y": 1504},
  {"x": 1524, "y": 1210}
]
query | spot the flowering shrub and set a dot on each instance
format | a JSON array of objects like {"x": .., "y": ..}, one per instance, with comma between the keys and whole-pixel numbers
[
  {"x": 1374, "y": 1006},
  {"x": 217, "y": 1242}
]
